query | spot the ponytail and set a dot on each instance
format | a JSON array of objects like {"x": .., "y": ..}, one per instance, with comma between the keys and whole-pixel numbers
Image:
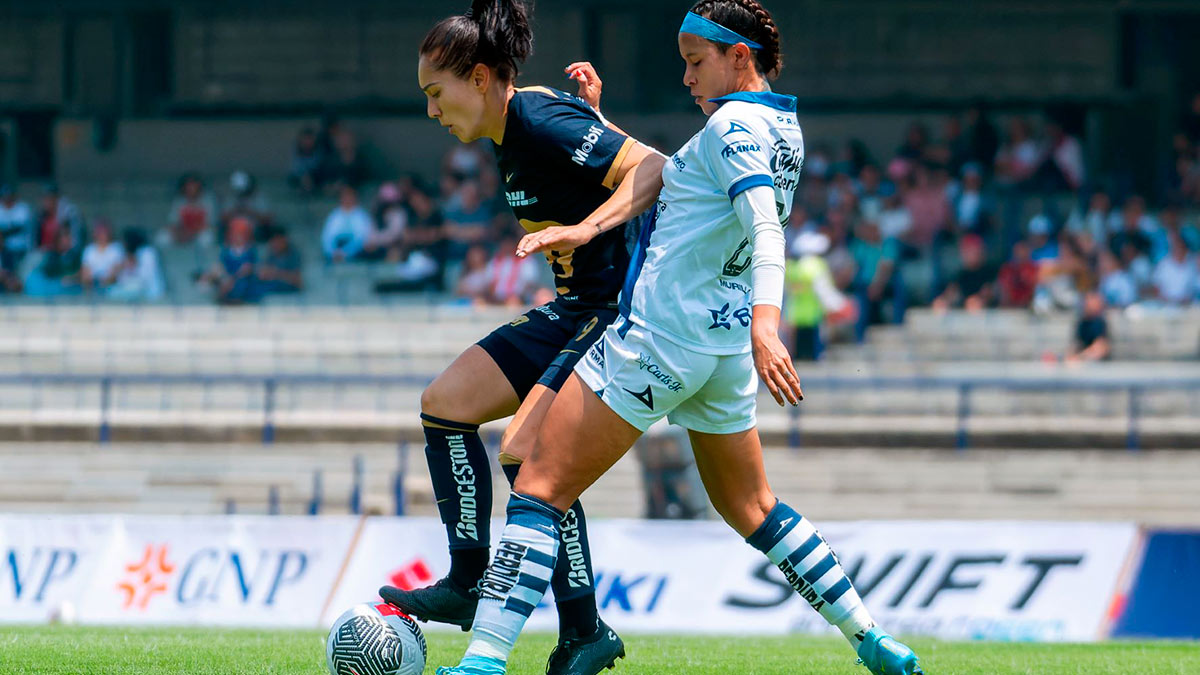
[{"x": 495, "y": 33}]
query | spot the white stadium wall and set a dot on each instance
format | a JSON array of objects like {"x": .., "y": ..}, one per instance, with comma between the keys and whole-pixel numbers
[{"x": 1020, "y": 581}]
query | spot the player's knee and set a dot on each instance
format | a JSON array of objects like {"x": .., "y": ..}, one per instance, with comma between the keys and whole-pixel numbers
[
  {"x": 516, "y": 443},
  {"x": 745, "y": 515}
]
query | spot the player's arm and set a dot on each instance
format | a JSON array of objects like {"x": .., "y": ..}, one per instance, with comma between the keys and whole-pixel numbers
[
  {"x": 755, "y": 208},
  {"x": 639, "y": 182}
]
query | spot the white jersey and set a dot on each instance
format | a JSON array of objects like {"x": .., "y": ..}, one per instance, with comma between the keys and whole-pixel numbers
[{"x": 689, "y": 279}]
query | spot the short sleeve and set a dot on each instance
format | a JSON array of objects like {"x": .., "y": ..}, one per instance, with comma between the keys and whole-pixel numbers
[
  {"x": 567, "y": 130},
  {"x": 738, "y": 158}
]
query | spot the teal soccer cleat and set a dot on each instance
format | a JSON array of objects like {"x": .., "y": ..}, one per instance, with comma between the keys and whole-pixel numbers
[
  {"x": 884, "y": 655},
  {"x": 474, "y": 665}
]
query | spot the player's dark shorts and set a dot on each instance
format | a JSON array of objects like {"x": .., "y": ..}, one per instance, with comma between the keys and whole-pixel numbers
[{"x": 543, "y": 345}]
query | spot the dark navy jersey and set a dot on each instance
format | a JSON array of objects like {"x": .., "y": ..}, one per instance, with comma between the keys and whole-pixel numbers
[{"x": 559, "y": 163}]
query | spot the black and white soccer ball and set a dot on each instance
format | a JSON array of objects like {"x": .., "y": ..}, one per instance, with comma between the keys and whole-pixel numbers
[{"x": 375, "y": 639}]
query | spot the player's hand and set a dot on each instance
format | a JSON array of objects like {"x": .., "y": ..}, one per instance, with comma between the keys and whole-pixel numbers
[
  {"x": 589, "y": 82},
  {"x": 774, "y": 366},
  {"x": 566, "y": 238}
]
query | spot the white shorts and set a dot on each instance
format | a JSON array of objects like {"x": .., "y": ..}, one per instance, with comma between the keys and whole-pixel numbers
[{"x": 643, "y": 377}]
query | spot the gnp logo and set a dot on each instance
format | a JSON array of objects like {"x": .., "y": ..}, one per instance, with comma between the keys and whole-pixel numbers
[
  {"x": 35, "y": 573},
  {"x": 211, "y": 576}
]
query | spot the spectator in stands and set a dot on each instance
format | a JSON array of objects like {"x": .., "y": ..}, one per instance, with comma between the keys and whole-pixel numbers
[
  {"x": 233, "y": 277},
  {"x": 280, "y": 272},
  {"x": 1098, "y": 222},
  {"x": 57, "y": 213},
  {"x": 982, "y": 136},
  {"x": 873, "y": 191},
  {"x": 343, "y": 164},
  {"x": 1172, "y": 220},
  {"x": 928, "y": 205},
  {"x": 511, "y": 281},
  {"x": 1116, "y": 283},
  {"x": 102, "y": 259},
  {"x": 1062, "y": 167},
  {"x": 419, "y": 263},
  {"x": 1175, "y": 276},
  {"x": 1135, "y": 228},
  {"x": 246, "y": 201},
  {"x": 972, "y": 209},
  {"x": 1018, "y": 159},
  {"x": 809, "y": 293},
  {"x": 1091, "y": 332},
  {"x": 390, "y": 223},
  {"x": 465, "y": 162},
  {"x": 916, "y": 142},
  {"x": 1063, "y": 279},
  {"x": 139, "y": 277},
  {"x": 16, "y": 230},
  {"x": 473, "y": 280},
  {"x": 1042, "y": 246},
  {"x": 346, "y": 228},
  {"x": 58, "y": 273},
  {"x": 192, "y": 213},
  {"x": 875, "y": 279},
  {"x": 1018, "y": 277},
  {"x": 955, "y": 149},
  {"x": 305, "y": 172},
  {"x": 468, "y": 220},
  {"x": 973, "y": 287}
]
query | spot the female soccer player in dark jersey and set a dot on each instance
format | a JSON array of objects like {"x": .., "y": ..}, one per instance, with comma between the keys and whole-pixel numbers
[
  {"x": 560, "y": 160},
  {"x": 699, "y": 327}
]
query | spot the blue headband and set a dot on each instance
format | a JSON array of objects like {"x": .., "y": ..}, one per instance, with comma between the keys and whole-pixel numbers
[{"x": 699, "y": 26}]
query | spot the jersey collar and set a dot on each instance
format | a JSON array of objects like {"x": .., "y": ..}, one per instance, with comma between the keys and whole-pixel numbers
[{"x": 768, "y": 98}]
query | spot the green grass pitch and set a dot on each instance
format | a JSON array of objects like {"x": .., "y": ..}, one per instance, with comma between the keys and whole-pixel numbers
[{"x": 56, "y": 650}]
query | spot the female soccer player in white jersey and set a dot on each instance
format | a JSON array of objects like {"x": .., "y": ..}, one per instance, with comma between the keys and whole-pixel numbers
[
  {"x": 560, "y": 160},
  {"x": 699, "y": 318}
]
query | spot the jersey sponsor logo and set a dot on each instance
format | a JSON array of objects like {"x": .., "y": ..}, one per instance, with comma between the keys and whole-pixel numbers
[
  {"x": 572, "y": 547},
  {"x": 734, "y": 128},
  {"x": 645, "y": 396},
  {"x": 508, "y": 177},
  {"x": 545, "y": 309},
  {"x": 734, "y": 286},
  {"x": 679, "y": 163},
  {"x": 786, "y": 164},
  {"x": 739, "y": 262},
  {"x": 464, "y": 477},
  {"x": 644, "y": 363},
  {"x": 589, "y": 143},
  {"x": 518, "y": 198},
  {"x": 504, "y": 571},
  {"x": 596, "y": 353},
  {"x": 721, "y": 318},
  {"x": 738, "y": 148}
]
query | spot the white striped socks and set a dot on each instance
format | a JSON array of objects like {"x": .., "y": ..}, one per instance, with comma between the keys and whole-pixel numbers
[{"x": 810, "y": 566}]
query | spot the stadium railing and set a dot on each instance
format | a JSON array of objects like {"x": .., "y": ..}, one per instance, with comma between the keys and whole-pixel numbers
[{"x": 1134, "y": 388}]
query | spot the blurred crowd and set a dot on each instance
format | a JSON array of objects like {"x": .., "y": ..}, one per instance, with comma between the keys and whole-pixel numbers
[
  {"x": 982, "y": 212},
  {"x": 981, "y": 215}
]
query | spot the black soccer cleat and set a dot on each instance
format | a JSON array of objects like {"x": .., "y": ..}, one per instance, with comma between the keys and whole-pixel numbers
[
  {"x": 443, "y": 602},
  {"x": 586, "y": 656}
]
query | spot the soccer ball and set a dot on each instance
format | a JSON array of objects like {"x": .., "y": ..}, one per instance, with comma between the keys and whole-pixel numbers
[{"x": 375, "y": 639}]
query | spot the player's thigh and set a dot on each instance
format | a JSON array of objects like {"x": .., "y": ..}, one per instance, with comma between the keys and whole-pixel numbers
[
  {"x": 521, "y": 433},
  {"x": 579, "y": 439},
  {"x": 731, "y": 466},
  {"x": 472, "y": 390},
  {"x": 589, "y": 326}
]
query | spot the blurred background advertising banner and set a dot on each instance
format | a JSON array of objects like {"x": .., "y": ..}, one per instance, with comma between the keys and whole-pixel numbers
[
  {"x": 1020, "y": 581},
  {"x": 238, "y": 571},
  {"x": 49, "y": 562}
]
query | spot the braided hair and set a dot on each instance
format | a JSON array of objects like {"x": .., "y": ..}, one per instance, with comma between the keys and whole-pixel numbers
[
  {"x": 495, "y": 33},
  {"x": 750, "y": 19}
]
